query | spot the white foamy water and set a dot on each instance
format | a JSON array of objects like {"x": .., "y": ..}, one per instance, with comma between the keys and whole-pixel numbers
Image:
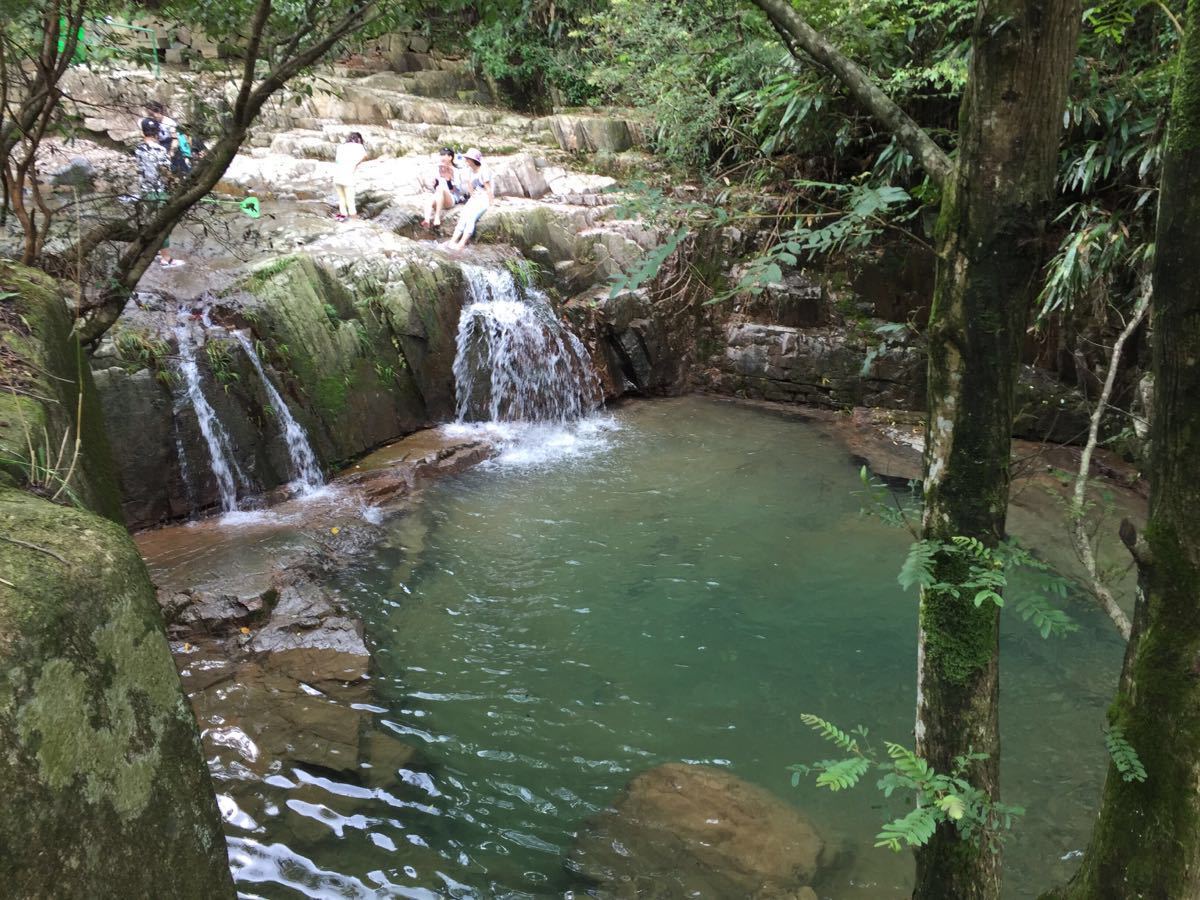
[
  {"x": 306, "y": 471},
  {"x": 222, "y": 462},
  {"x": 515, "y": 362},
  {"x": 532, "y": 444}
]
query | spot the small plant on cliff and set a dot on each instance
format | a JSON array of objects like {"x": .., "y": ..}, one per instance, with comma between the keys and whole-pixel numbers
[
  {"x": 150, "y": 352},
  {"x": 524, "y": 271},
  {"x": 46, "y": 472},
  {"x": 220, "y": 362}
]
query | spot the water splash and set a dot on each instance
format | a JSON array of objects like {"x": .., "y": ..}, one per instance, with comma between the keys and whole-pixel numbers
[
  {"x": 223, "y": 464},
  {"x": 515, "y": 362},
  {"x": 306, "y": 470}
]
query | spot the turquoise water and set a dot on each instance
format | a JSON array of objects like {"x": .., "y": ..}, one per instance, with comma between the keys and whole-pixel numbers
[{"x": 681, "y": 592}]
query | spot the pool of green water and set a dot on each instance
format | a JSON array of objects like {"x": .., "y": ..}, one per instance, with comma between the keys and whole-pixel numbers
[{"x": 681, "y": 591}]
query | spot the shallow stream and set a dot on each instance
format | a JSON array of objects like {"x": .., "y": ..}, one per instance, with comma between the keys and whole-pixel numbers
[{"x": 682, "y": 588}]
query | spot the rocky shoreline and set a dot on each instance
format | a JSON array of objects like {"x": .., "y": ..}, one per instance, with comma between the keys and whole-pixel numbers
[{"x": 275, "y": 667}]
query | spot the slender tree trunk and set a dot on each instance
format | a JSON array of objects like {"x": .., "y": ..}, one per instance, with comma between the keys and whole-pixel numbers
[
  {"x": 294, "y": 56},
  {"x": 802, "y": 38},
  {"x": 1146, "y": 843},
  {"x": 990, "y": 255}
]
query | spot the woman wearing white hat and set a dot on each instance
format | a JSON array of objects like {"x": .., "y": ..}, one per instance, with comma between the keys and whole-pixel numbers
[{"x": 482, "y": 190}]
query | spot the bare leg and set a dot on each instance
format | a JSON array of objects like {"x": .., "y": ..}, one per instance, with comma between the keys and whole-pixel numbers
[
  {"x": 341, "y": 196},
  {"x": 441, "y": 201}
]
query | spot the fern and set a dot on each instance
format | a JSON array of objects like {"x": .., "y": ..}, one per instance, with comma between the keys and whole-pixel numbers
[
  {"x": 914, "y": 829},
  {"x": 842, "y": 774},
  {"x": 1047, "y": 619},
  {"x": 1124, "y": 757},
  {"x": 974, "y": 547},
  {"x": 830, "y": 732},
  {"x": 918, "y": 565},
  {"x": 908, "y": 764}
]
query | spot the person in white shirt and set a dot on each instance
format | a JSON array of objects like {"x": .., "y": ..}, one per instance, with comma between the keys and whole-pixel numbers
[
  {"x": 349, "y": 156},
  {"x": 483, "y": 192},
  {"x": 447, "y": 192}
]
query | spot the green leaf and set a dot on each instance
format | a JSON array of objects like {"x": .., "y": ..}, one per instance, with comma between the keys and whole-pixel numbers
[
  {"x": 953, "y": 806},
  {"x": 830, "y": 732},
  {"x": 842, "y": 774},
  {"x": 1123, "y": 755},
  {"x": 914, "y": 829},
  {"x": 918, "y": 565}
]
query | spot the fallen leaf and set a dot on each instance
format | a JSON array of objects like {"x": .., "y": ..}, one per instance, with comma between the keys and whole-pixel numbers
[{"x": 334, "y": 530}]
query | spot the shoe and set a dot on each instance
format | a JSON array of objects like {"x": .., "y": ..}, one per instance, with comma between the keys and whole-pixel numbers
[
  {"x": 425, "y": 224},
  {"x": 339, "y": 217},
  {"x": 172, "y": 263}
]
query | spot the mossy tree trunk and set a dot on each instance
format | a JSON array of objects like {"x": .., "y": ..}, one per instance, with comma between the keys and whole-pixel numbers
[
  {"x": 995, "y": 200},
  {"x": 990, "y": 254},
  {"x": 1146, "y": 843}
]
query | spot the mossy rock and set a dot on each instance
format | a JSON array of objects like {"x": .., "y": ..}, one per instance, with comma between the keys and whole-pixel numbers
[
  {"x": 365, "y": 359},
  {"x": 106, "y": 790},
  {"x": 42, "y": 373}
]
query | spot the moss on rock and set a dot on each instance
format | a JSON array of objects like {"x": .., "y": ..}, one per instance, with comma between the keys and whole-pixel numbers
[
  {"x": 366, "y": 358},
  {"x": 99, "y": 753},
  {"x": 42, "y": 371}
]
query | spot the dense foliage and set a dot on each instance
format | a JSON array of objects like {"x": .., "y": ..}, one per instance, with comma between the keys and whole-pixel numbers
[{"x": 726, "y": 104}]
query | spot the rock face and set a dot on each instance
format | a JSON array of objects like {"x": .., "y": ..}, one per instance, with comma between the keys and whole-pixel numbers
[
  {"x": 592, "y": 133},
  {"x": 684, "y": 831},
  {"x": 360, "y": 355},
  {"x": 40, "y": 359},
  {"x": 820, "y": 367},
  {"x": 99, "y": 754}
]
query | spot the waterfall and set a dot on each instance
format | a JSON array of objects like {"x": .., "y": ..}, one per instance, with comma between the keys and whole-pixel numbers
[
  {"x": 515, "y": 362},
  {"x": 305, "y": 468},
  {"x": 221, "y": 460}
]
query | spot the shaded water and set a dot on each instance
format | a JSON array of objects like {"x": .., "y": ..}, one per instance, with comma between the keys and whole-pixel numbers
[{"x": 543, "y": 633}]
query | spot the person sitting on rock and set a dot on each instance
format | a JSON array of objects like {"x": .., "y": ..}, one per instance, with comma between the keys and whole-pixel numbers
[
  {"x": 483, "y": 192},
  {"x": 153, "y": 165},
  {"x": 447, "y": 191},
  {"x": 349, "y": 156}
]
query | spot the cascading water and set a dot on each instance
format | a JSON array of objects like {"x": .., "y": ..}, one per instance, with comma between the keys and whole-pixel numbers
[
  {"x": 221, "y": 459},
  {"x": 515, "y": 361},
  {"x": 305, "y": 468}
]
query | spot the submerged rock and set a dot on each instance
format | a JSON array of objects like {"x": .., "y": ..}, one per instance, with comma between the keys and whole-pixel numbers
[
  {"x": 691, "y": 831},
  {"x": 306, "y": 638}
]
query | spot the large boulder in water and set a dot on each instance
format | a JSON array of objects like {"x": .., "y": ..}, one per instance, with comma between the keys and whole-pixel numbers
[
  {"x": 687, "y": 831},
  {"x": 105, "y": 790}
]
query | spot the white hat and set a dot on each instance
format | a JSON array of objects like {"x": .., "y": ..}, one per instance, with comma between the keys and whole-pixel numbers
[{"x": 474, "y": 155}]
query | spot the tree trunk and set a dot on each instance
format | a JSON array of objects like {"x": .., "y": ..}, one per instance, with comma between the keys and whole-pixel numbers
[
  {"x": 103, "y": 312},
  {"x": 1146, "y": 843},
  {"x": 990, "y": 256},
  {"x": 800, "y": 37}
]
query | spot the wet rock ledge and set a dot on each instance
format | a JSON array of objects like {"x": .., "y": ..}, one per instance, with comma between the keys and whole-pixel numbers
[{"x": 275, "y": 666}]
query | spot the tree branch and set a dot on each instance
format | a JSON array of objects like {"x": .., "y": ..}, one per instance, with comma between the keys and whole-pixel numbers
[
  {"x": 1079, "y": 535},
  {"x": 798, "y": 34}
]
